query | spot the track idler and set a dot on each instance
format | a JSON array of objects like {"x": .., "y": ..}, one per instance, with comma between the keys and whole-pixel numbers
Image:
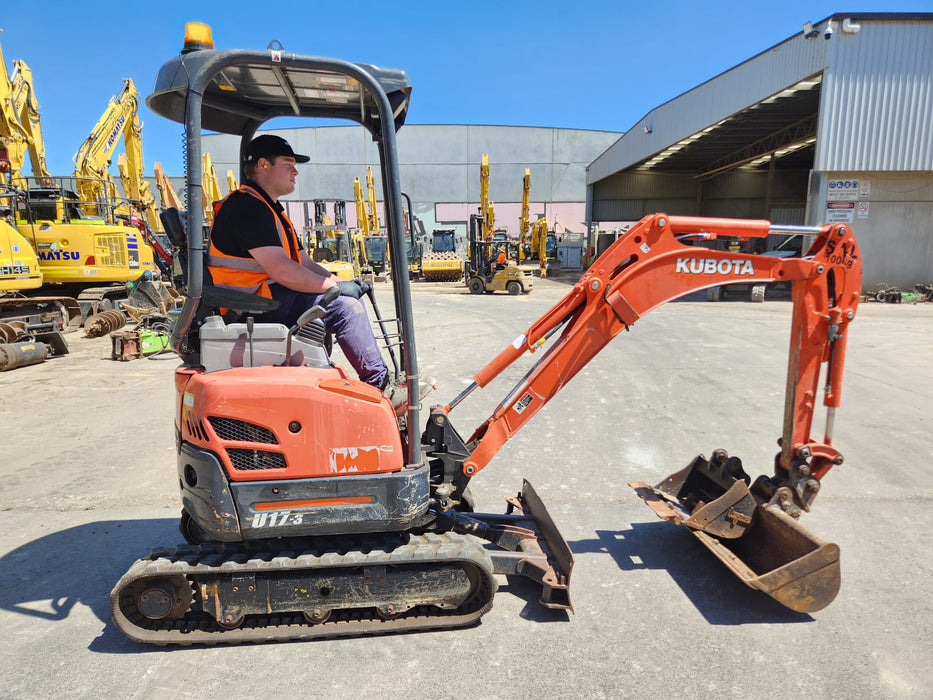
[{"x": 760, "y": 543}]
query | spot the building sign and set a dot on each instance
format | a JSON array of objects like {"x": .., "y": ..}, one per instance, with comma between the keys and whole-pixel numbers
[
  {"x": 842, "y": 191},
  {"x": 861, "y": 210},
  {"x": 840, "y": 212},
  {"x": 864, "y": 189}
]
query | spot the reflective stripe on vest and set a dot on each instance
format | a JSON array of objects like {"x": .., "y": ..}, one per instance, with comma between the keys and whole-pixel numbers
[{"x": 246, "y": 274}]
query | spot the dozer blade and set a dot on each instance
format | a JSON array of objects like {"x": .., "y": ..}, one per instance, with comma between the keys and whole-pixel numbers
[
  {"x": 762, "y": 545},
  {"x": 532, "y": 546}
]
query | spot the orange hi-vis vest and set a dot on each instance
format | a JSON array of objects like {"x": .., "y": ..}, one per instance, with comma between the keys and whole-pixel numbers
[{"x": 245, "y": 274}]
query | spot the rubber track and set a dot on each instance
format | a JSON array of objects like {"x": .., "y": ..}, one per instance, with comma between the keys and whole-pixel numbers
[{"x": 196, "y": 627}]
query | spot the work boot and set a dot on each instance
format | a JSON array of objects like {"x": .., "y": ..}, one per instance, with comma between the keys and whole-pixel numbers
[{"x": 398, "y": 393}]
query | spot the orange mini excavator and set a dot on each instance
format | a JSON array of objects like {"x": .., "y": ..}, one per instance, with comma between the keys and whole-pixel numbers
[{"x": 313, "y": 509}]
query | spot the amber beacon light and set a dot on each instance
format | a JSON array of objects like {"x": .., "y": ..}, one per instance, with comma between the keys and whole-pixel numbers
[{"x": 197, "y": 37}]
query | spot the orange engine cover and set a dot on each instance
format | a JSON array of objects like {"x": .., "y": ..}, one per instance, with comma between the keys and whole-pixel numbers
[{"x": 270, "y": 423}]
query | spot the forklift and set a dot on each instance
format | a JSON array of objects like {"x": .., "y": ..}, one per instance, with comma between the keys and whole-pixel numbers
[{"x": 485, "y": 273}]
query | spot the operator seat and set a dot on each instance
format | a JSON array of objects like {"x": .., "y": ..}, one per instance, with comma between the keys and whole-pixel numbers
[{"x": 238, "y": 304}]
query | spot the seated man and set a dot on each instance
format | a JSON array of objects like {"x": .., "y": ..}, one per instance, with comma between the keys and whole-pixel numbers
[{"x": 254, "y": 248}]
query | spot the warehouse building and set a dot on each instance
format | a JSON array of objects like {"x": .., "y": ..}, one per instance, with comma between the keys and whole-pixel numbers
[
  {"x": 439, "y": 169},
  {"x": 833, "y": 124}
]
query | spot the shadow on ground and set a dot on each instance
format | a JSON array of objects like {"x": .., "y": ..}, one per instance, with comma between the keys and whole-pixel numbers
[
  {"x": 717, "y": 594},
  {"x": 47, "y": 577}
]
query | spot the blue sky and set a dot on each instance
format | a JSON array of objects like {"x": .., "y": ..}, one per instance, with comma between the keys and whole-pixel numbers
[{"x": 586, "y": 64}]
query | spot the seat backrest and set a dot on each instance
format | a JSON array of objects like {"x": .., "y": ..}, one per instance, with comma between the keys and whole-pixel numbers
[
  {"x": 212, "y": 298},
  {"x": 174, "y": 224}
]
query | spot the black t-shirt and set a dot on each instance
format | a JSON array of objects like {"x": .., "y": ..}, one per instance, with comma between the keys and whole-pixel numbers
[{"x": 244, "y": 222}]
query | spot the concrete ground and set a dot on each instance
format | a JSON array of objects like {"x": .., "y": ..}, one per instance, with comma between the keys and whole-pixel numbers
[{"x": 88, "y": 485}]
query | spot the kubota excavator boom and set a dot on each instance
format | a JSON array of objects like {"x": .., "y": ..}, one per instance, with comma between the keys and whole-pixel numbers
[{"x": 648, "y": 266}]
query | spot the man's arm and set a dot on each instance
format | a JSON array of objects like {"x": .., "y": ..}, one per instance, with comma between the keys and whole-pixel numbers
[
  {"x": 285, "y": 271},
  {"x": 311, "y": 265}
]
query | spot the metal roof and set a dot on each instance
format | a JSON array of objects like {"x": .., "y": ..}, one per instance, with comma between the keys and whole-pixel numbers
[
  {"x": 251, "y": 87},
  {"x": 775, "y": 103}
]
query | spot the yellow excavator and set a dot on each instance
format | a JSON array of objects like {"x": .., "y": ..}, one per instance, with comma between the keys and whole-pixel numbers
[
  {"x": 371, "y": 247},
  {"x": 374, "y": 244},
  {"x": 537, "y": 247},
  {"x": 21, "y": 277},
  {"x": 19, "y": 265}
]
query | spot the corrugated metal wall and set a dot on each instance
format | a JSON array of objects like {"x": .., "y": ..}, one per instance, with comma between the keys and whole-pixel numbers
[
  {"x": 440, "y": 162},
  {"x": 876, "y": 108}
]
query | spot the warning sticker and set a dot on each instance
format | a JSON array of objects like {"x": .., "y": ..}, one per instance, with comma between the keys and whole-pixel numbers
[
  {"x": 522, "y": 403},
  {"x": 839, "y": 212}
]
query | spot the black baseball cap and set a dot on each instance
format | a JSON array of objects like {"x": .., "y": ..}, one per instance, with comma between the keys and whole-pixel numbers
[{"x": 269, "y": 146}]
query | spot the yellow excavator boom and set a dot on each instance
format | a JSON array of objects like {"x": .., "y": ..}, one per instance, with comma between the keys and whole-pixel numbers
[
  {"x": 210, "y": 187},
  {"x": 487, "y": 208},
  {"x": 362, "y": 220},
  {"x": 373, "y": 212},
  {"x": 27, "y": 110},
  {"x": 92, "y": 161},
  {"x": 232, "y": 184},
  {"x": 539, "y": 243},
  {"x": 523, "y": 218},
  {"x": 15, "y": 138}
]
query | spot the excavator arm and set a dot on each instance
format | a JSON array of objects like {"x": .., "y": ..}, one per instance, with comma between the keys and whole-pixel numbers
[
  {"x": 523, "y": 219},
  {"x": 210, "y": 187},
  {"x": 92, "y": 161},
  {"x": 167, "y": 193},
  {"x": 539, "y": 244},
  {"x": 651, "y": 264},
  {"x": 487, "y": 208},
  {"x": 15, "y": 138},
  {"x": 27, "y": 110},
  {"x": 373, "y": 214}
]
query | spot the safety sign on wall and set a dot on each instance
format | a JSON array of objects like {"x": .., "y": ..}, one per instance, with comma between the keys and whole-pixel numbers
[
  {"x": 842, "y": 191},
  {"x": 861, "y": 210},
  {"x": 840, "y": 212}
]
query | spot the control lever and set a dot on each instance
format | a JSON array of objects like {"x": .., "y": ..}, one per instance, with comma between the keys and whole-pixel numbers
[
  {"x": 249, "y": 334},
  {"x": 315, "y": 312}
]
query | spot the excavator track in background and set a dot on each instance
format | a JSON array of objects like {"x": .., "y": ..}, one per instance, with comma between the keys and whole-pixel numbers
[
  {"x": 215, "y": 594},
  {"x": 63, "y": 311}
]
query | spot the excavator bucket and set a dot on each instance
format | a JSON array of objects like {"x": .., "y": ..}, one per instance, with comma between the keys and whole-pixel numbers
[{"x": 762, "y": 545}]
